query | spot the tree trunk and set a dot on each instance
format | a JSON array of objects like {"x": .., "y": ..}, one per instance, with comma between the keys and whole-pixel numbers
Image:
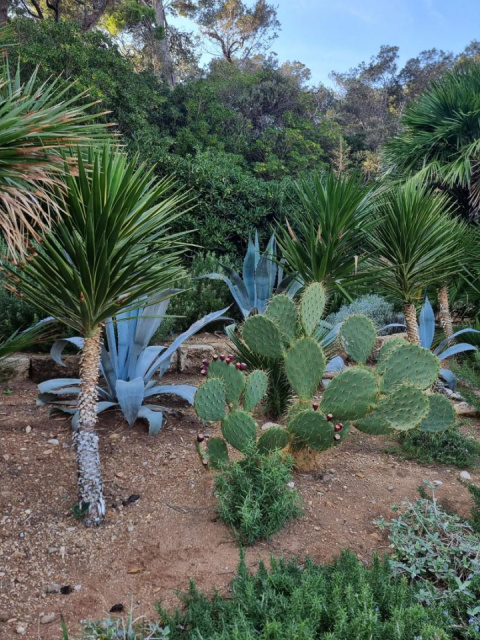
[
  {"x": 163, "y": 65},
  {"x": 445, "y": 315},
  {"x": 411, "y": 322},
  {"x": 4, "y": 6},
  {"x": 90, "y": 489}
]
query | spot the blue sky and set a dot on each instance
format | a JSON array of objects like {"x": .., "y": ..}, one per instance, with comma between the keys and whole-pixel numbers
[{"x": 338, "y": 34}]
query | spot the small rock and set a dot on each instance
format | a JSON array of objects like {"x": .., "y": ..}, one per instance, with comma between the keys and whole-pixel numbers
[
  {"x": 114, "y": 436},
  {"x": 291, "y": 485},
  {"x": 21, "y": 628},
  {"x": 464, "y": 409},
  {"x": 52, "y": 441},
  {"x": 51, "y": 550},
  {"x": 269, "y": 425},
  {"x": 28, "y": 429},
  {"x": 47, "y": 618},
  {"x": 390, "y": 488},
  {"x": 77, "y": 587},
  {"x": 465, "y": 475},
  {"x": 53, "y": 588},
  {"x": 360, "y": 475}
]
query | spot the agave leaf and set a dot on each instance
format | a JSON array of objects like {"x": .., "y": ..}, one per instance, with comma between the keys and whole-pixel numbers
[
  {"x": 444, "y": 343},
  {"x": 107, "y": 369},
  {"x": 327, "y": 339},
  {"x": 56, "y": 385},
  {"x": 130, "y": 398},
  {"x": 147, "y": 358},
  {"x": 426, "y": 328},
  {"x": 153, "y": 415},
  {"x": 263, "y": 286},
  {"x": 196, "y": 326},
  {"x": 185, "y": 391},
  {"x": 393, "y": 325},
  {"x": 257, "y": 249},
  {"x": 449, "y": 378},
  {"x": 455, "y": 349},
  {"x": 240, "y": 295},
  {"x": 249, "y": 265},
  {"x": 126, "y": 324},
  {"x": 59, "y": 345}
]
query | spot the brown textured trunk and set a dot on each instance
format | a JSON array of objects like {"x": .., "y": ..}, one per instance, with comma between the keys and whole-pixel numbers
[
  {"x": 90, "y": 487},
  {"x": 411, "y": 322},
  {"x": 4, "y": 6},
  {"x": 445, "y": 315}
]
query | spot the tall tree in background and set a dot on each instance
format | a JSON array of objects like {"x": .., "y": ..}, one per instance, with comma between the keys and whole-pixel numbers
[{"x": 235, "y": 30}]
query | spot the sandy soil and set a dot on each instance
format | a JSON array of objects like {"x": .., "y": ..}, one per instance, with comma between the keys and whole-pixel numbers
[{"x": 153, "y": 546}]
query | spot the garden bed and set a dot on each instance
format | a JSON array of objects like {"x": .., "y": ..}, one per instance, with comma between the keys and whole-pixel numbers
[{"x": 154, "y": 545}]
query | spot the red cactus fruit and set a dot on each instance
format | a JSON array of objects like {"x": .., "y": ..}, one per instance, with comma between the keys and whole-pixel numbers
[
  {"x": 329, "y": 417},
  {"x": 338, "y": 427},
  {"x": 315, "y": 406},
  {"x": 243, "y": 366},
  {"x": 200, "y": 437},
  {"x": 222, "y": 357}
]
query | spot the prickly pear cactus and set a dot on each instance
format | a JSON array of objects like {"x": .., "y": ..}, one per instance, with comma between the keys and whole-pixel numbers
[
  {"x": 351, "y": 394},
  {"x": 263, "y": 336},
  {"x": 312, "y": 306},
  {"x": 311, "y": 429},
  {"x": 409, "y": 363},
  {"x": 283, "y": 312},
  {"x": 232, "y": 378},
  {"x": 272, "y": 439},
  {"x": 304, "y": 366},
  {"x": 441, "y": 414},
  {"x": 357, "y": 337},
  {"x": 210, "y": 400},
  {"x": 240, "y": 430},
  {"x": 255, "y": 388}
]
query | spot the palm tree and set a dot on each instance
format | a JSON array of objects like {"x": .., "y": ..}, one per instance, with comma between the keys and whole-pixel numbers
[
  {"x": 416, "y": 243},
  {"x": 440, "y": 142},
  {"x": 36, "y": 121},
  {"x": 112, "y": 248},
  {"x": 326, "y": 242}
]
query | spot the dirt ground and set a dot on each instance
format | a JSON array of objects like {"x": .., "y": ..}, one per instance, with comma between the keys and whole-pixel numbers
[{"x": 155, "y": 545}]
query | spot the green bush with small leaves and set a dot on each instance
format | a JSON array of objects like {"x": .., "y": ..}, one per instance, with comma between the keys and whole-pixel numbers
[
  {"x": 254, "y": 498},
  {"x": 450, "y": 447}
]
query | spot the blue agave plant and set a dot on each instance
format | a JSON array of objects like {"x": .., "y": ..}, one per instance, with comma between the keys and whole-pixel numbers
[
  {"x": 426, "y": 330},
  {"x": 262, "y": 277},
  {"x": 128, "y": 366}
]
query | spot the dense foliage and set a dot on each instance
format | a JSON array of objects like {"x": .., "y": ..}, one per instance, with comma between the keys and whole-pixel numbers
[
  {"x": 254, "y": 497},
  {"x": 450, "y": 447}
]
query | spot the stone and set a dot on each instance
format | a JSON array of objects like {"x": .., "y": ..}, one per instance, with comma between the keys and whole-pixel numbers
[
  {"x": 47, "y": 618},
  {"x": 42, "y": 367},
  {"x": 464, "y": 409},
  {"x": 28, "y": 429},
  {"x": 465, "y": 475},
  {"x": 291, "y": 485},
  {"x": 191, "y": 357},
  {"x": 390, "y": 488},
  {"x": 53, "y": 588},
  {"x": 53, "y": 441},
  {"x": 15, "y": 367},
  {"x": 21, "y": 628}
]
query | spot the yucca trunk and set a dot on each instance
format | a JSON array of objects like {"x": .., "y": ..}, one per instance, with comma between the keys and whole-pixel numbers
[
  {"x": 90, "y": 488},
  {"x": 411, "y": 322},
  {"x": 445, "y": 315}
]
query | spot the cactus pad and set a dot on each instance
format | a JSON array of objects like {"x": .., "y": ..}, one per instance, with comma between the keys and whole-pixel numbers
[
  {"x": 297, "y": 407},
  {"x": 374, "y": 424},
  {"x": 409, "y": 363},
  {"x": 283, "y": 312},
  {"x": 239, "y": 430},
  {"x": 441, "y": 414},
  {"x": 304, "y": 366},
  {"x": 350, "y": 395},
  {"x": 357, "y": 336},
  {"x": 255, "y": 388},
  {"x": 233, "y": 379},
  {"x": 263, "y": 337},
  {"x": 312, "y": 306},
  {"x": 387, "y": 347},
  {"x": 210, "y": 400},
  {"x": 271, "y": 439},
  {"x": 311, "y": 429},
  {"x": 404, "y": 408},
  {"x": 217, "y": 453}
]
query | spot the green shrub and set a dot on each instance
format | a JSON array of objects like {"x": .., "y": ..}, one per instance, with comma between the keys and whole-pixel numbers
[
  {"x": 450, "y": 447},
  {"x": 15, "y": 314},
  {"x": 200, "y": 297},
  {"x": 440, "y": 553},
  {"x": 254, "y": 497}
]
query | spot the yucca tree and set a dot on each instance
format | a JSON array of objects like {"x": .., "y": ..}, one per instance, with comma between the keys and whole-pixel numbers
[
  {"x": 440, "y": 141},
  {"x": 113, "y": 246},
  {"x": 36, "y": 122},
  {"x": 416, "y": 242},
  {"x": 325, "y": 243}
]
